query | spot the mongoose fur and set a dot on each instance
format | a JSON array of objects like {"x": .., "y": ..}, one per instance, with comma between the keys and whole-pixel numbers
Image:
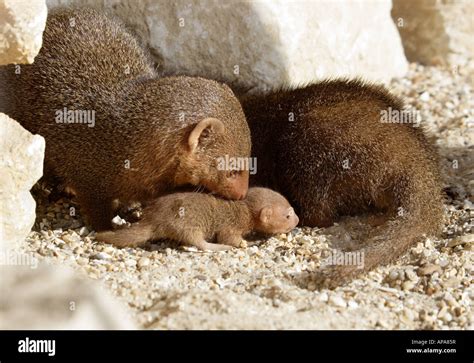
[
  {"x": 196, "y": 218},
  {"x": 150, "y": 135},
  {"x": 326, "y": 150}
]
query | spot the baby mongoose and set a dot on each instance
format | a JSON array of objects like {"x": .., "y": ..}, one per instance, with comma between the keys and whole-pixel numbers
[
  {"x": 331, "y": 150},
  {"x": 196, "y": 218},
  {"x": 115, "y": 132}
]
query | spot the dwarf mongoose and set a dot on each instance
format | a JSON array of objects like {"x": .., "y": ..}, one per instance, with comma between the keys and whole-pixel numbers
[
  {"x": 196, "y": 218},
  {"x": 330, "y": 148},
  {"x": 115, "y": 132}
]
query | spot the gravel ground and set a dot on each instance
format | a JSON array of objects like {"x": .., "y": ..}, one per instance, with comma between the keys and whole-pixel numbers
[{"x": 268, "y": 285}]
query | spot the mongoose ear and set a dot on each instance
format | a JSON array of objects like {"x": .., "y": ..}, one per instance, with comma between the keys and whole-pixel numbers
[
  {"x": 203, "y": 131},
  {"x": 266, "y": 214}
]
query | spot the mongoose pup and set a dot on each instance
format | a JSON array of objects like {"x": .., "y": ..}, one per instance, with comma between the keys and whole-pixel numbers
[
  {"x": 115, "y": 132},
  {"x": 196, "y": 218},
  {"x": 331, "y": 150}
]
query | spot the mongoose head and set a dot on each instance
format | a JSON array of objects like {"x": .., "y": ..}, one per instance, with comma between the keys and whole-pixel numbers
[
  {"x": 212, "y": 160},
  {"x": 272, "y": 212},
  {"x": 216, "y": 145},
  {"x": 200, "y": 133}
]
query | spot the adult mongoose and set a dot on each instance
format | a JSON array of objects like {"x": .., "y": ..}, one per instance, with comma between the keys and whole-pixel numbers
[
  {"x": 342, "y": 147},
  {"x": 115, "y": 132},
  {"x": 196, "y": 218}
]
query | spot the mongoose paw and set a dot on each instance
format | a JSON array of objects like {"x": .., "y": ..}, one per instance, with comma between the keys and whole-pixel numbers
[{"x": 132, "y": 212}]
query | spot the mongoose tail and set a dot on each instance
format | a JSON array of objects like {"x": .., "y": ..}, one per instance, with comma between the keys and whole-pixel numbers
[
  {"x": 136, "y": 235},
  {"x": 419, "y": 212}
]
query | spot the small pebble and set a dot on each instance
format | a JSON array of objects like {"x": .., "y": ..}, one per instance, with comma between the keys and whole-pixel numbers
[
  {"x": 393, "y": 275},
  {"x": 462, "y": 240},
  {"x": 143, "y": 262},
  {"x": 411, "y": 275},
  {"x": 425, "y": 97},
  {"x": 408, "y": 285},
  {"x": 101, "y": 256},
  {"x": 131, "y": 263},
  {"x": 338, "y": 301},
  {"x": 352, "y": 304},
  {"x": 323, "y": 297},
  {"x": 83, "y": 231},
  {"x": 429, "y": 269},
  {"x": 82, "y": 261}
]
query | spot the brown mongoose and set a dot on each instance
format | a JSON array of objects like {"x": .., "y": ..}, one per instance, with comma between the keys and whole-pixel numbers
[
  {"x": 115, "y": 132},
  {"x": 331, "y": 150},
  {"x": 196, "y": 218}
]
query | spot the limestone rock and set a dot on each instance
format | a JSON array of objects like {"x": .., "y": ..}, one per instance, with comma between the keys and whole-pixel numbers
[
  {"x": 53, "y": 297},
  {"x": 265, "y": 44},
  {"x": 21, "y": 165},
  {"x": 21, "y": 27},
  {"x": 435, "y": 31}
]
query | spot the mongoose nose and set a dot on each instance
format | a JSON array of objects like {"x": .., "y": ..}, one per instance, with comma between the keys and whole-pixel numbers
[
  {"x": 240, "y": 192},
  {"x": 236, "y": 194}
]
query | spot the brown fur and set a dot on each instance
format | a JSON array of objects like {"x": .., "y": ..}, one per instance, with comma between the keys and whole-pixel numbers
[
  {"x": 195, "y": 218},
  {"x": 138, "y": 118},
  {"x": 392, "y": 167}
]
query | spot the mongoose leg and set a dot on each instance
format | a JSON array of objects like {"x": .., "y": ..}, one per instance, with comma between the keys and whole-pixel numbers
[
  {"x": 214, "y": 247},
  {"x": 99, "y": 212},
  {"x": 196, "y": 239},
  {"x": 229, "y": 238}
]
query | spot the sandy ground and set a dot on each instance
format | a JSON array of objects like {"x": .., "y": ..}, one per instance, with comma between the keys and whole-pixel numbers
[{"x": 268, "y": 285}]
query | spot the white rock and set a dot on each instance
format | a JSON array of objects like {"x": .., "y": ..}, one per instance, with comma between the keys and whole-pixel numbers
[
  {"x": 267, "y": 43},
  {"x": 436, "y": 31},
  {"x": 84, "y": 231},
  {"x": 102, "y": 256},
  {"x": 447, "y": 317},
  {"x": 425, "y": 97},
  {"x": 338, "y": 301},
  {"x": 411, "y": 275},
  {"x": 131, "y": 263},
  {"x": 118, "y": 221},
  {"x": 352, "y": 304},
  {"x": 408, "y": 285},
  {"x": 73, "y": 301},
  {"x": 393, "y": 275},
  {"x": 21, "y": 28},
  {"x": 143, "y": 262},
  {"x": 21, "y": 165},
  {"x": 323, "y": 297}
]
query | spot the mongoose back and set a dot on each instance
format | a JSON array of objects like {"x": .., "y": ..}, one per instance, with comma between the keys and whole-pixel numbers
[
  {"x": 115, "y": 132},
  {"x": 196, "y": 218},
  {"x": 326, "y": 148}
]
